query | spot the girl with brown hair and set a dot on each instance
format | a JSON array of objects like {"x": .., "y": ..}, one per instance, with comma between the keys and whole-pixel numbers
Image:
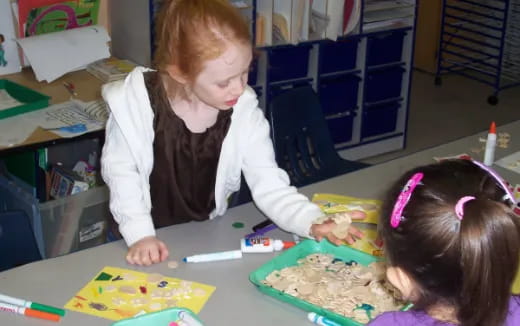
[
  {"x": 452, "y": 244},
  {"x": 178, "y": 137}
]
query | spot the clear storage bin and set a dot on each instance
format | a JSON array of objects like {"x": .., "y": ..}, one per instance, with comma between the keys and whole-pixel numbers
[{"x": 63, "y": 225}]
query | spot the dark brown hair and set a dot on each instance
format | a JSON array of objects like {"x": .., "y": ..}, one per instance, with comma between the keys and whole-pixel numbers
[
  {"x": 468, "y": 264},
  {"x": 190, "y": 32}
]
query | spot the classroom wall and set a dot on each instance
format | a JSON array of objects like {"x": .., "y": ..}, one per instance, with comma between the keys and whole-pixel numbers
[{"x": 103, "y": 15}]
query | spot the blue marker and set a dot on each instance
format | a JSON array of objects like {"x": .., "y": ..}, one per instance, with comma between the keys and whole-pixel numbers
[
  {"x": 320, "y": 320},
  {"x": 214, "y": 256}
]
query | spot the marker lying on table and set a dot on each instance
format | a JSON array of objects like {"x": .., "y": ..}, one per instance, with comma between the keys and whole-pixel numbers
[
  {"x": 28, "y": 312},
  {"x": 223, "y": 255},
  {"x": 320, "y": 320},
  {"x": 262, "y": 231},
  {"x": 32, "y": 305}
]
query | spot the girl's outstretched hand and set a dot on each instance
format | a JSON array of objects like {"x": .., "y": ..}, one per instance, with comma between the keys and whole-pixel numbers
[
  {"x": 147, "y": 251},
  {"x": 324, "y": 230}
]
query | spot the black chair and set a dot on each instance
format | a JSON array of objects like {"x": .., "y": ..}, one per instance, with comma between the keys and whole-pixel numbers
[
  {"x": 17, "y": 242},
  {"x": 302, "y": 141},
  {"x": 242, "y": 196}
]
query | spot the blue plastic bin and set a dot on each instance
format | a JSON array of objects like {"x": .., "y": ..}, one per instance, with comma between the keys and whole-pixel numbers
[
  {"x": 288, "y": 62},
  {"x": 338, "y": 56},
  {"x": 385, "y": 48},
  {"x": 258, "y": 91},
  {"x": 17, "y": 195},
  {"x": 341, "y": 127},
  {"x": 339, "y": 93},
  {"x": 253, "y": 73},
  {"x": 383, "y": 84},
  {"x": 275, "y": 90},
  {"x": 379, "y": 119}
]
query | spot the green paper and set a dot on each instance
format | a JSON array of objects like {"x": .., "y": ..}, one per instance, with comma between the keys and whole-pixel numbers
[{"x": 104, "y": 277}]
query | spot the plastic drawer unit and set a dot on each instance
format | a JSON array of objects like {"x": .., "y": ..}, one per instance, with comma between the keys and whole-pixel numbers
[
  {"x": 339, "y": 93},
  {"x": 288, "y": 62},
  {"x": 385, "y": 48},
  {"x": 383, "y": 84},
  {"x": 253, "y": 72},
  {"x": 341, "y": 127},
  {"x": 275, "y": 90},
  {"x": 379, "y": 119},
  {"x": 338, "y": 56}
]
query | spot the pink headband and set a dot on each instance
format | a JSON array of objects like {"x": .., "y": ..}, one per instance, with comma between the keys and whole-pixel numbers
[
  {"x": 404, "y": 197},
  {"x": 509, "y": 193},
  {"x": 459, "y": 207}
]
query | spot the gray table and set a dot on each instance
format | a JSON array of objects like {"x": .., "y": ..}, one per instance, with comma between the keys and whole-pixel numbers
[{"x": 236, "y": 301}]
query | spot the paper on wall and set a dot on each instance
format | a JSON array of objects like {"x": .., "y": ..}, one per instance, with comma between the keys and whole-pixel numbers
[
  {"x": 54, "y": 54},
  {"x": 9, "y": 59}
]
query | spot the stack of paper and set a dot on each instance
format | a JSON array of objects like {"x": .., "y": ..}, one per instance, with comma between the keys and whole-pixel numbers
[
  {"x": 110, "y": 69},
  {"x": 54, "y": 54}
]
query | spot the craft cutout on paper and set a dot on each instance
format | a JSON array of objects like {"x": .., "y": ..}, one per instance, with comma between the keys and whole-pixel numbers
[
  {"x": 331, "y": 204},
  {"x": 116, "y": 293}
]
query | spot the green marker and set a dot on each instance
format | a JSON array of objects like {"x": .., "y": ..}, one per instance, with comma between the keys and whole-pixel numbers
[{"x": 32, "y": 305}]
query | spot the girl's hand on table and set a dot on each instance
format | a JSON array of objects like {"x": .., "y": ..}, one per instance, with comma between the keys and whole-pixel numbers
[
  {"x": 324, "y": 230},
  {"x": 147, "y": 251}
]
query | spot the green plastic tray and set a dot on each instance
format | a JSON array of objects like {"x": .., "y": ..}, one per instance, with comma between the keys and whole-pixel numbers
[
  {"x": 31, "y": 99},
  {"x": 290, "y": 258},
  {"x": 166, "y": 317}
]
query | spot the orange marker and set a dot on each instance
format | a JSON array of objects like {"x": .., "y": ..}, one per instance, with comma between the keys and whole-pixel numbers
[{"x": 28, "y": 312}]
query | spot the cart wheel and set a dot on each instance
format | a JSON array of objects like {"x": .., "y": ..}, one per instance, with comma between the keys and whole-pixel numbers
[
  {"x": 438, "y": 81},
  {"x": 493, "y": 100}
]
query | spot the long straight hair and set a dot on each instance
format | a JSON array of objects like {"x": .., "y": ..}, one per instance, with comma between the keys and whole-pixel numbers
[{"x": 469, "y": 263}]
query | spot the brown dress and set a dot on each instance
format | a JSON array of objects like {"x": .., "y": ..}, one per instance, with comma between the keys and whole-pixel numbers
[{"x": 182, "y": 182}]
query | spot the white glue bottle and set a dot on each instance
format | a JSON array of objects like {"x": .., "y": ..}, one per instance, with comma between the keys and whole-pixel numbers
[
  {"x": 491, "y": 142},
  {"x": 264, "y": 244}
]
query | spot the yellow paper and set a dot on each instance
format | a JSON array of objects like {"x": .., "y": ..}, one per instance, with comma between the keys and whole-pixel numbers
[
  {"x": 331, "y": 203},
  {"x": 104, "y": 298},
  {"x": 516, "y": 283}
]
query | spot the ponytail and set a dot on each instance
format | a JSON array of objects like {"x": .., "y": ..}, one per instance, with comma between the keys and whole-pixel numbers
[{"x": 489, "y": 248}]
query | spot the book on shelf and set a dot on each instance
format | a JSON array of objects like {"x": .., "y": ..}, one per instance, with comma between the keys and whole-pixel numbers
[
  {"x": 65, "y": 182},
  {"x": 111, "y": 69}
]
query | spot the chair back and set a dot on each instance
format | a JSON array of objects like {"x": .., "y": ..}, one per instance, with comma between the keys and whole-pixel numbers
[{"x": 302, "y": 141}]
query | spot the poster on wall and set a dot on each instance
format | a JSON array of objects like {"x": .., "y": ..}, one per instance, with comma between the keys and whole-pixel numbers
[
  {"x": 38, "y": 17},
  {"x": 9, "y": 59}
]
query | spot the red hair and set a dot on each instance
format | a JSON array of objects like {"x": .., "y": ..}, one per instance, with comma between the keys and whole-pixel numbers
[{"x": 190, "y": 32}]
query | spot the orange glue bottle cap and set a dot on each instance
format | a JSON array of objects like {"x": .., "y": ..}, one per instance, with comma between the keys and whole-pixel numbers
[{"x": 493, "y": 128}]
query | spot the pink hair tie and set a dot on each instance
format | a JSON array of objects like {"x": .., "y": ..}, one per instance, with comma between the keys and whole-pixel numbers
[
  {"x": 403, "y": 199},
  {"x": 459, "y": 207}
]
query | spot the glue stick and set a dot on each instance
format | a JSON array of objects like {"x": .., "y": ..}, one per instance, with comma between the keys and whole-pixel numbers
[{"x": 263, "y": 244}]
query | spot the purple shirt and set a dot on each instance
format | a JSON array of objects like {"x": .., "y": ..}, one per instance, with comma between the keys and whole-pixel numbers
[{"x": 416, "y": 318}]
